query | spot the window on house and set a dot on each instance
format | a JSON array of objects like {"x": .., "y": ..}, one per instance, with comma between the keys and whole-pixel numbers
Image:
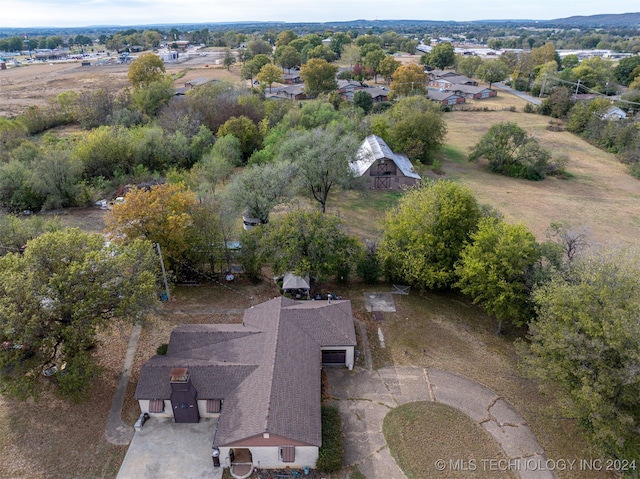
[
  {"x": 156, "y": 406},
  {"x": 214, "y": 405},
  {"x": 288, "y": 453}
]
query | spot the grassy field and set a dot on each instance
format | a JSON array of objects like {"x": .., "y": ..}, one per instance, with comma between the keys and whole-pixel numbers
[{"x": 411, "y": 428}]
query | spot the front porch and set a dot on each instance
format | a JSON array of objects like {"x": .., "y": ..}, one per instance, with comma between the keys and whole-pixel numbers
[{"x": 241, "y": 463}]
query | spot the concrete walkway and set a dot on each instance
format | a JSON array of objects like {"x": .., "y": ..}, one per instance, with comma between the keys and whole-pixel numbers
[
  {"x": 117, "y": 432},
  {"x": 365, "y": 397}
]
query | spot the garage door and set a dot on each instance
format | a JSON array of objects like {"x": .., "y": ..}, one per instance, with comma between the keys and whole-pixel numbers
[{"x": 338, "y": 356}]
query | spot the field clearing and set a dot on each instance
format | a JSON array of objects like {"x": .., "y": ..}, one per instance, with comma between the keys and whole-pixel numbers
[
  {"x": 37, "y": 83},
  {"x": 599, "y": 193}
]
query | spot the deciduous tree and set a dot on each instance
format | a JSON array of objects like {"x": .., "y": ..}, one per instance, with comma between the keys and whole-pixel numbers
[
  {"x": 586, "y": 340},
  {"x": 409, "y": 80},
  {"x": 161, "y": 214},
  {"x": 493, "y": 269},
  {"x": 57, "y": 296},
  {"x": 147, "y": 68},
  {"x": 269, "y": 74},
  {"x": 424, "y": 235},
  {"x": 512, "y": 152},
  {"x": 322, "y": 159},
  {"x": 244, "y": 130},
  {"x": 492, "y": 71},
  {"x": 309, "y": 242},
  {"x": 319, "y": 76}
]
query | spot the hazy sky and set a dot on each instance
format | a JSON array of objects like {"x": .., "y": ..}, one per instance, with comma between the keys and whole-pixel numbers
[{"x": 72, "y": 13}]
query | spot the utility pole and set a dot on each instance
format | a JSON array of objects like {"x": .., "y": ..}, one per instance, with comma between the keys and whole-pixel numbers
[
  {"x": 544, "y": 82},
  {"x": 164, "y": 272}
]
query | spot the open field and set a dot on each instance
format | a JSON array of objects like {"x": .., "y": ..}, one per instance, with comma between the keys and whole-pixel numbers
[
  {"x": 598, "y": 193},
  {"x": 34, "y": 84}
]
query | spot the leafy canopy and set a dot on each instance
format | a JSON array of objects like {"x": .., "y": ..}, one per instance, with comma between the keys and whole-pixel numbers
[
  {"x": 425, "y": 234},
  {"x": 512, "y": 152},
  {"x": 586, "y": 340},
  {"x": 493, "y": 269},
  {"x": 55, "y": 298}
]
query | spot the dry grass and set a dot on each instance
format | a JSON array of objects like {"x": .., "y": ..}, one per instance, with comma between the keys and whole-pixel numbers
[
  {"x": 410, "y": 431},
  {"x": 598, "y": 193},
  {"x": 445, "y": 331}
]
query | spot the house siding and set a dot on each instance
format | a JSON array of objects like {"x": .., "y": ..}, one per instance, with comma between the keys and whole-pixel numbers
[
  {"x": 397, "y": 180},
  {"x": 269, "y": 457}
]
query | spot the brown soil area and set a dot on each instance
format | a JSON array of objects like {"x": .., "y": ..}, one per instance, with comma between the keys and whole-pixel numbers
[{"x": 34, "y": 84}]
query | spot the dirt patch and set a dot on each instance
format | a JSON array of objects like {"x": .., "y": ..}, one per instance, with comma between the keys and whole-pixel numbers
[{"x": 37, "y": 83}]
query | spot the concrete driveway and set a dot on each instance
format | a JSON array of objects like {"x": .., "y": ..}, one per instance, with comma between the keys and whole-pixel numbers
[
  {"x": 365, "y": 397},
  {"x": 163, "y": 449}
]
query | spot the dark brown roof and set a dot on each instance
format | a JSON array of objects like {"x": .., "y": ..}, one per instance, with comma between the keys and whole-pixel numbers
[{"x": 266, "y": 370}]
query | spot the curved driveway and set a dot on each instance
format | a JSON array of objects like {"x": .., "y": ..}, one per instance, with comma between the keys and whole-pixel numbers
[{"x": 365, "y": 397}]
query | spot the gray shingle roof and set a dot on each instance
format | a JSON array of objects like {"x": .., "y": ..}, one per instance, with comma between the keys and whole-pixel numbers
[
  {"x": 266, "y": 370},
  {"x": 374, "y": 148}
]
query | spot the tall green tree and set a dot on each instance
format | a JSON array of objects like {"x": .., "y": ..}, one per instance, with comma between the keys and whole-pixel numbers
[
  {"x": 147, "y": 68},
  {"x": 55, "y": 298},
  {"x": 322, "y": 159},
  {"x": 442, "y": 56},
  {"x": 493, "y": 269},
  {"x": 586, "y": 341},
  {"x": 244, "y": 130},
  {"x": 260, "y": 188},
  {"x": 425, "y": 234},
  {"x": 492, "y": 71},
  {"x": 269, "y": 74},
  {"x": 414, "y": 126},
  {"x": 309, "y": 242},
  {"x": 319, "y": 76}
]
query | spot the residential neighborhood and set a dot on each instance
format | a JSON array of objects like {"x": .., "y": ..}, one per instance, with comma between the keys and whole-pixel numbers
[{"x": 298, "y": 248}]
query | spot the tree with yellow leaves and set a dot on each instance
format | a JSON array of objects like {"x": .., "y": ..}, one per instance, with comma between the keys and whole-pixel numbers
[
  {"x": 161, "y": 214},
  {"x": 409, "y": 80}
]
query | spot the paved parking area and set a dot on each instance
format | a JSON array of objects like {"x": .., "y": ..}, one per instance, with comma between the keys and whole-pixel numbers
[{"x": 163, "y": 449}]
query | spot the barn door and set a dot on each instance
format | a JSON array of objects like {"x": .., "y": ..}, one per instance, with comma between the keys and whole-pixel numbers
[{"x": 382, "y": 182}]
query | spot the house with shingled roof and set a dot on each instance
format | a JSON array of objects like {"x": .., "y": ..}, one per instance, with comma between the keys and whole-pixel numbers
[
  {"x": 381, "y": 168},
  {"x": 260, "y": 379}
]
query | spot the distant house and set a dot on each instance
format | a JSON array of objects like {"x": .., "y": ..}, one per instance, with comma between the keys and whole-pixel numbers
[
  {"x": 472, "y": 92},
  {"x": 260, "y": 379},
  {"x": 288, "y": 92},
  {"x": 290, "y": 78},
  {"x": 381, "y": 168},
  {"x": 452, "y": 81},
  {"x": 377, "y": 94},
  {"x": 614, "y": 113},
  {"x": 445, "y": 97},
  {"x": 191, "y": 84}
]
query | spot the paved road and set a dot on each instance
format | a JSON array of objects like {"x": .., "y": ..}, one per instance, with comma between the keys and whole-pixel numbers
[
  {"x": 523, "y": 95},
  {"x": 365, "y": 397}
]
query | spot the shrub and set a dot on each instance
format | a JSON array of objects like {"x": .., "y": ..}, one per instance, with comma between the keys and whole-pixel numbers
[
  {"x": 331, "y": 452},
  {"x": 162, "y": 349}
]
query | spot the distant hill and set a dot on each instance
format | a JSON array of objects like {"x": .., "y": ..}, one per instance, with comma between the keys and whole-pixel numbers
[
  {"x": 604, "y": 20},
  {"x": 631, "y": 20}
]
